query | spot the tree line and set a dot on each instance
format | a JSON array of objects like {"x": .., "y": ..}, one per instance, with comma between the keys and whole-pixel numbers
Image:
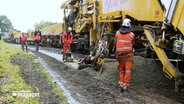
[{"x": 6, "y": 25}]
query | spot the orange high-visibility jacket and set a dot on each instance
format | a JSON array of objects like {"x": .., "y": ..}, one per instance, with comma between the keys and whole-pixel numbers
[
  {"x": 23, "y": 38},
  {"x": 67, "y": 38},
  {"x": 124, "y": 42},
  {"x": 38, "y": 37}
]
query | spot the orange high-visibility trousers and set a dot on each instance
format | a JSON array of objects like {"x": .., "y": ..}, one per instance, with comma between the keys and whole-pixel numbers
[
  {"x": 125, "y": 63},
  {"x": 66, "y": 47}
]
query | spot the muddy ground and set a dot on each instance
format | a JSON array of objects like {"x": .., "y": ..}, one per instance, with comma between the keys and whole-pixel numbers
[{"x": 149, "y": 84}]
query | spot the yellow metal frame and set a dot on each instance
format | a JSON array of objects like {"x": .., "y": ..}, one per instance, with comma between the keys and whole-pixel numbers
[
  {"x": 147, "y": 10},
  {"x": 171, "y": 71},
  {"x": 178, "y": 16},
  {"x": 112, "y": 14},
  {"x": 85, "y": 22},
  {"x": 15, "y": 32}
]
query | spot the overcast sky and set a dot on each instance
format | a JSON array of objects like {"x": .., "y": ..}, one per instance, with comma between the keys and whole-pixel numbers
[
  {"x": 25, "y": 13},
  {"x": 166, "y": 2}
]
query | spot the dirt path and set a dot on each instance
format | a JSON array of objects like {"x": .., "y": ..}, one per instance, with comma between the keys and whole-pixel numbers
[{"x": 149, "y": 85}]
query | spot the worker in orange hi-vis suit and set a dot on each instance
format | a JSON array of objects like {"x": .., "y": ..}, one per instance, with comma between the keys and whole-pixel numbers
[
  {"x": 123, "y": 42},
  {"x": 23, "y": 39},
  {"x": 37, "y": 40},
  {"x": 67, "y": 39}
]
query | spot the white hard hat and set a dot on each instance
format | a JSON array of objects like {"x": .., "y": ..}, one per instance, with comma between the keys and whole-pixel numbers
[
  {"x": 69, "y": 29},
  {"x": 126, "y": 23}
]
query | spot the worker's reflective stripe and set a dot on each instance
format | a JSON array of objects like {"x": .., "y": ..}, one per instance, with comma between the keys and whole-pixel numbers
[
  {"x": 121, "y": 71},
  {"x": 127, "y": 70},
  {"x": 124, "y": 71},
  {"x": 125, "y": 47},
  {"x": 126, "y": 41}
]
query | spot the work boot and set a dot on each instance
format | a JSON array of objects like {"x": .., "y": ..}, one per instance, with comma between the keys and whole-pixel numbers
[
  {"x": 126, "y": 90},
  {"x": 124, "y": 87}
]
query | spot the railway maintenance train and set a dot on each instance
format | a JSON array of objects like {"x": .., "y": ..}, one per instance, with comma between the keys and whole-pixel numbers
[
  {"x": 50, "y": 35},
  {"x": 158, "y": 30},
  {"x": 14, "y": 35}
]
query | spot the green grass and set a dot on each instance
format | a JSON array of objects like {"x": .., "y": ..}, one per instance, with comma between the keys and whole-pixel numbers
[{"x": 10, "y": 79}]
